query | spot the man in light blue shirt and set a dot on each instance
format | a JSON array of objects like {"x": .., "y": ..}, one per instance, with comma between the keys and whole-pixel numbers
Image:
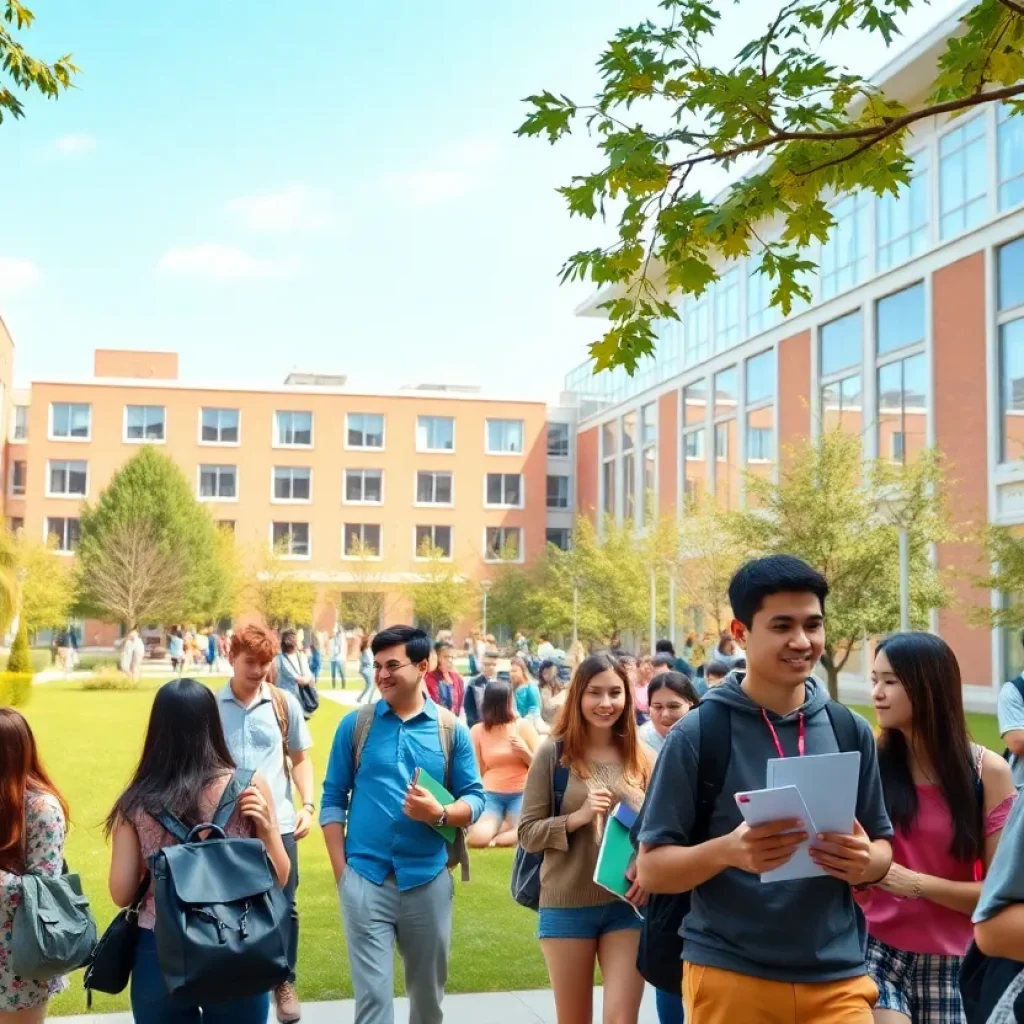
[{"x": 380, "y": 829}]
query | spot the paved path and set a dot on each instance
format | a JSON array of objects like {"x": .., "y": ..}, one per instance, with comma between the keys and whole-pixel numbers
[{"x": 536, "y": 1007}]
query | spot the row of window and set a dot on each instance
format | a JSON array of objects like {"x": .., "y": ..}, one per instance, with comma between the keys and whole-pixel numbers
[{"x": 72, "y": 421}]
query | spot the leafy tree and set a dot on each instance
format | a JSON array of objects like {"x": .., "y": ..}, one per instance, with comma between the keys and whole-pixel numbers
[
  {"x": 23, "y": 71},
  {"x": 843, "y": 517},
  {"x": 708, "y": 557},
  {"x": 557, "y": 574},
  {"x": 510, "y": 600},
  {"x": 276, "y": 592},
  {"x": 48, "y": 585},
  {"x": 365, "y": 598},
  {"x": 8, "y": 578},
  {"x": 20, "y": 658},
  {"x": 816, "y": 128},
  {"x": 148, "y": 550},
  {"x": 1003, "y": 552},
  {"x": 441, "y": 596}
]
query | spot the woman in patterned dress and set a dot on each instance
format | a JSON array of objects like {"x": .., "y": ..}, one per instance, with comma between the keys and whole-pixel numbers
[{"x": 33, "y": 822}]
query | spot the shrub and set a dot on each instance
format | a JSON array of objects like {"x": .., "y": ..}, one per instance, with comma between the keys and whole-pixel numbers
[
  {"x": 109, "y": 678},
  {"x": 96, "y": 662},
  {"x": 15, "y": 688},
  {"x": 20, "y": 658}
]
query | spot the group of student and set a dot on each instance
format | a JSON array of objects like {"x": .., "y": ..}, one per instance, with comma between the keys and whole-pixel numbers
[{"x": 880, "y": 936}]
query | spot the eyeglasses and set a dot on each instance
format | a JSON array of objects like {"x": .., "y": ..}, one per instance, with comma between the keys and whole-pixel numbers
[{"x": 389, "y": 670}]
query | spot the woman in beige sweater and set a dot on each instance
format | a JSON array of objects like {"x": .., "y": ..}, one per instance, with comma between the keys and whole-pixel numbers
[{"x": 580, "y": 922}]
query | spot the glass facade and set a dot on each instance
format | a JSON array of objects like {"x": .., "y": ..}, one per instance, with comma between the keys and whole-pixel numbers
[
  {"x": 1010, "y": 291},
  {"x": 727, "y": 310},
  {"x": 1010, "y": 147},
  {"x": 844, "y": 257},
  {"x": 963, "y": 170},
  {"x": 899, "y": 320},
  {"x": 901, "y": 222},
  {"x": 903, "y": 408}
]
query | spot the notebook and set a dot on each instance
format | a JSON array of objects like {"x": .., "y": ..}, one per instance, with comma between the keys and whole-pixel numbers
[
  {"x": 616, "y": 853},
  {"x": 439, "y": 793}
]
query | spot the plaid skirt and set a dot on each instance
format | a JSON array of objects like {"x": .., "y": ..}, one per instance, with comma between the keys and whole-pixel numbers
[{"x": 922, "y": 986}]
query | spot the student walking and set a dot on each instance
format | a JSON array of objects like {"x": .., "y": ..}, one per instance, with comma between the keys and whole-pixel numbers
[
  {"x": 473, "y": 701},
  {"x": 266, "y": 732},
  {"x": 291, "y": 669},
  {"x": 504, "y": 745},
  {"x": 184, "y": 769},
  {"x": 339, "y": 650},
  {"x": 365, "y": 670},
  {"x": 33, "y": 825},
  {"x": 669, "y": 696},
  {"x": 779, "y": 953},
  {"x": 176, "y": 651},
  {"x": 919, "y": 915},
  {"x": 389, "y": 861},
  {"x": 444, "y": 684},
  {"x": 212, "y": 650},
  {"x": 580, "y": 923}
]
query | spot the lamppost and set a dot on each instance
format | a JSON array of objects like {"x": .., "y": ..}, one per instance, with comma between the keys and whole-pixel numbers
[{"x": 485, "y": 585}]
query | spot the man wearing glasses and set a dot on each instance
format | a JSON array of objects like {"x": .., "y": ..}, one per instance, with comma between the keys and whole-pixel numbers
[{"x": 389, "y": 862}]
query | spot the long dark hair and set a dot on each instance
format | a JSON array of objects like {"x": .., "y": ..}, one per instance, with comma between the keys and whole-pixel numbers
[
  {"x": 183, "y": 753},
  {"x": 496, "y": 708},
  {"x": 927, "y": 668}
]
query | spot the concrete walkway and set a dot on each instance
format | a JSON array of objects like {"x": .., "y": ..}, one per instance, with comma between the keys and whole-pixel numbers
[{"x": 535, "y": 1007}]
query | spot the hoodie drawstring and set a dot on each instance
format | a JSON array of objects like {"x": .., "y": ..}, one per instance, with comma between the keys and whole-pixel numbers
[{"x": 801, "y": 734}]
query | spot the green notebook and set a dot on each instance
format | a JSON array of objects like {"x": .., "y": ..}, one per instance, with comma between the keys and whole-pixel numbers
[
  {"x": 616, "y": 853},
  {"x": 439, "y": 793}
]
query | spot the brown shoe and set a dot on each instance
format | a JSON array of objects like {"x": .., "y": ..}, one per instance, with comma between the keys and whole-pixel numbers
[{"x": 286, "y": 999}]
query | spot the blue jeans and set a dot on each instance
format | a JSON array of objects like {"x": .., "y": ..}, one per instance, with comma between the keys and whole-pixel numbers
[
  {"x": 669, "y": 1006},
  {"x": 586, "y": 922},
  {"x": 368, "y": 688},
  {"x": 152, "y": 1004},
  {"x": 337, "y": 669},
  {"x": 503, "y": 805}
]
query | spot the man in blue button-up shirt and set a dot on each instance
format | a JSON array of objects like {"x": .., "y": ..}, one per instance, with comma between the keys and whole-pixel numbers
[{"x": 389, "y": 862}]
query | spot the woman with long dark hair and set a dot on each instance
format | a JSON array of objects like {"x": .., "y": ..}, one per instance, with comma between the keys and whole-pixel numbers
[
  {"x": 184, "y": 769},
  {"x": 33, "y": 824},
  {"x": 504, "y": 744},
  {"x": 526, "y": 693},
  {"x": 580, "y": 923},
  {"x": 948, "y": 800},
  {"x": 670, "y": 696}
]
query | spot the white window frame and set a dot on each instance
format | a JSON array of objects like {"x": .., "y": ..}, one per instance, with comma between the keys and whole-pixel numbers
[
  {"x": 506, "y": 561},
  {"x": 504, "y": 419},
  {"x": 367, "y": 447},
  {"x": 424, "y": 448},
  {"x": 309, "y": 537},
  {"x": 727, "y": 303},
  {"x": 505, "y": 505},
  {"x": 958, "y": 125},
  {"x": 698, "y": 429},
  {"x": 921, "y": 175},
  {"x": 144, "y": 440},
  {"x": 219, "y": 444},
  {"x": 276, "y": 430},
  {"x": 434, "y": 527},
  {"x": 1003, "y": 118},
  {"x": 759, "y": 286},
  {"x": 568, "y": 440},
  {"x": 47, "y": 533},
  {"x": 274, "y": 500},
  {"x": 567, "y": 530},
  {"x": 346, "y": 500},
  {"x": 67, "y": 496},
  {"x": 1004, "y": 317},
  {"x": 216, "y": 499},
  {"x": 51, "y": 436},
  {"x": 14, "y": 439},
  {"x": 11, "y": 492},
  {"x": 432, "y": 504},
  {"x": 362, "y": 533},
  {"x": 698, "y": 331},
  {"x": 568, "y": 492},
  {"x": 857, "y": 206},
  {"x": 752, "y": 407}
]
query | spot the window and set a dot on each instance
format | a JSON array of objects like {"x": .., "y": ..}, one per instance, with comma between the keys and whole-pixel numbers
[
  {"x": 697, "y": 333},
  {"x": 649, "y": 424},
  {"x": 291, "y": 540},
  {"x": 145, "y": 423},
  {"x": 841, "y": 345},
  {"x": 67, "y": 478},
  {"x": 361, "y": 540},
  {"x": 726, "y": 466},
  {"x": 503, "y": 544},
  {"x": 1011, "y": 388},
  {"x": 628, "y": 465},
  {"x": 559, "y": 536},
  {"x": 218, "y": 482},
  {"x": 694, "y": 445},
  {"x": 19, "y": 476},
  {"x": 293, "y": 429},
  {"x": 15, "y": 524},
  {"x": 1011, "y": 275},
  {"x": 761, "y": 377},
  {"x": 364, "y": 486},
  {"x": 695, "y": 404},
  {"x": 649, "y": 454},
  {"x": 842, "y": 404},
  {"x": 760, "y": 399},
  {"x": 897, "y": 452},
  {"x": 844, "y": 257},
  {"x": 694, "y": 473},
  {"x": 722, "y": 437},
  {"x": 963, "y": 195},
  {"x": 726, "y": 392},
  {"x": 293, "y": 483},
  {"x": 609, "y": 446},
  {"x": 727, "y": 310},
  {"x": 19, "y": 431},
  {"x": 900, "y": 319},
  {"x": 434, "y": 434},
  {"x": 365, "y": 430},
  {"x": 901, "y": 222},
  {"x": 761, "y": 314},
  {"x": 1010, "y": 143},
  {"x": 65, "y": 533},
  {"x": 433, "y": 488},
  {"x": 558, "y": 440},
  {"x": 558, "y": 492},
  {"x": 218, "y": 426},
  {"x": 431, "y": 539},
  {"x": 759, "y": 444},
  {"x": 504, "y": 490},
  {"x": 903, "y": 406},
  {"x": 504, "y": 437}
]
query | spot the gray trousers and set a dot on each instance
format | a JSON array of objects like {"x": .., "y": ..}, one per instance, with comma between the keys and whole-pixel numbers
[{"x": 420, "y": 921}]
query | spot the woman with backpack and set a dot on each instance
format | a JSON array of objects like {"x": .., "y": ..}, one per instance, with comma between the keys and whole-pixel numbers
[
  {"x": 291, "y": 669},
  {"x": 580, "y": 923},
  {"x": 184, "y": 769},
  {"x": 948, "y": 801},
  {"x": 33, "y": 823}
]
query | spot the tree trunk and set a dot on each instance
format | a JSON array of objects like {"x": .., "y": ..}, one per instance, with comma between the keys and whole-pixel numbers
[{"x": 832, "y": 675}]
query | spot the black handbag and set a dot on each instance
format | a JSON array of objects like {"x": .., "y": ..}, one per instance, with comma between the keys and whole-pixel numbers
[
  {"x": 110, "y": 966},
  {"x": 309, "y": 699}
]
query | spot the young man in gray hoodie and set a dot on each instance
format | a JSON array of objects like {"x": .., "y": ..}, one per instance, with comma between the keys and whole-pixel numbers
[{"x": 785, "y": 952}]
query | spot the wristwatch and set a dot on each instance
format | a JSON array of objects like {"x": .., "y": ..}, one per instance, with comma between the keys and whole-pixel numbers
[
  {"x": 443, "y": 820},
  {"x": 309, "y": 807}
]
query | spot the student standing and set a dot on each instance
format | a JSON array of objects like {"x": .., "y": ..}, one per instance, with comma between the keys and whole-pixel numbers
[
  {"x": 389, "y": 861},
  {"x": 365, "y": 670},
  {"x": 1010, "y": 710},
  {"x": 184, "y": 768},
  {"x": 552, "y": 692},
  {"x": 338, "y": 652},
  {"x": 919, "y": 915},
  {"x": 580, "y": 923},
  {"x": 527, "y": 696},
  {"x": 444, "y": 684},
  {"x": 504, "y": 745},
  {"x": 33, "y": 826},
  {"x": 669, "y": 696},
  {"x": 291, "y": 669},
  {"x": 267, "y": 733},
  {"x": 474, "y": 698},
  {"x": 788, "y": 952}
]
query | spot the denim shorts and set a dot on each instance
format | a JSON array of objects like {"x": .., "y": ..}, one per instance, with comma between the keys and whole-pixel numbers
[
  {"x": 503, "y": 805},
  {"x": 586, "y": 922}
]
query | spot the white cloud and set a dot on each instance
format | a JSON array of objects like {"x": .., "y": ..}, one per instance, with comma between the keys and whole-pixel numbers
[
  {"x": 17, "y": 275},
  {"x": 297, "y": 208},
  {"x": 456, "y": 171},
  {"x": 223, "y": 263},
  {"x": 75, "y": 145}
]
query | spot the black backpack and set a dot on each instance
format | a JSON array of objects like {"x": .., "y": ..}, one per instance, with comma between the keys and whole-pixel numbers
[
  {"x": 220, "y": 915},
  {"x": 661, "y": 944},
  {"x": 1018, "y": 684}
]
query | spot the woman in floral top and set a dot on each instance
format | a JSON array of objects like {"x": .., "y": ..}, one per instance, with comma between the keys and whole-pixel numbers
[{"x": 33, "y": 821}]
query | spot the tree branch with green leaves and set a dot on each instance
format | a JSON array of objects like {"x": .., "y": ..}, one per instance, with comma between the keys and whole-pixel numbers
[{"x": 23, "y": 71}]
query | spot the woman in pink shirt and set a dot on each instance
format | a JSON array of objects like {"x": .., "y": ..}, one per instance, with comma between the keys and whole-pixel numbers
[{"x": 948, "y": 800}]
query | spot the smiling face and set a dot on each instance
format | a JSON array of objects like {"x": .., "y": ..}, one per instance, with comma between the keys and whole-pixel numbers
[
  {"x": 516, "y": 674},
  {"x": 603, "y": 700},
  {"x": 397, "y": 678},
  {"x": 889, "y": 696},
  {"x": 444, "y": 659},
  {"x": 786, "y": 638}
]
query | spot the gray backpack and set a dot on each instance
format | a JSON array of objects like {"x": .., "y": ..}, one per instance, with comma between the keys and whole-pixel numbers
[{"x": 54, "y": 930}]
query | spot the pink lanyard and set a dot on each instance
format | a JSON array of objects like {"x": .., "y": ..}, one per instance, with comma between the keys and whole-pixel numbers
[{"x": 800, "y": 742}]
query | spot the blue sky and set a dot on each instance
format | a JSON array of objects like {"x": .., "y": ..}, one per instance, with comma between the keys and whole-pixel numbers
[{"x": 322, "y": 184}]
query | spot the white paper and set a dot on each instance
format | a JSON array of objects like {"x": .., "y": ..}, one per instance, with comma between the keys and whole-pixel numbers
[{"x": 779, "y": 804}]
